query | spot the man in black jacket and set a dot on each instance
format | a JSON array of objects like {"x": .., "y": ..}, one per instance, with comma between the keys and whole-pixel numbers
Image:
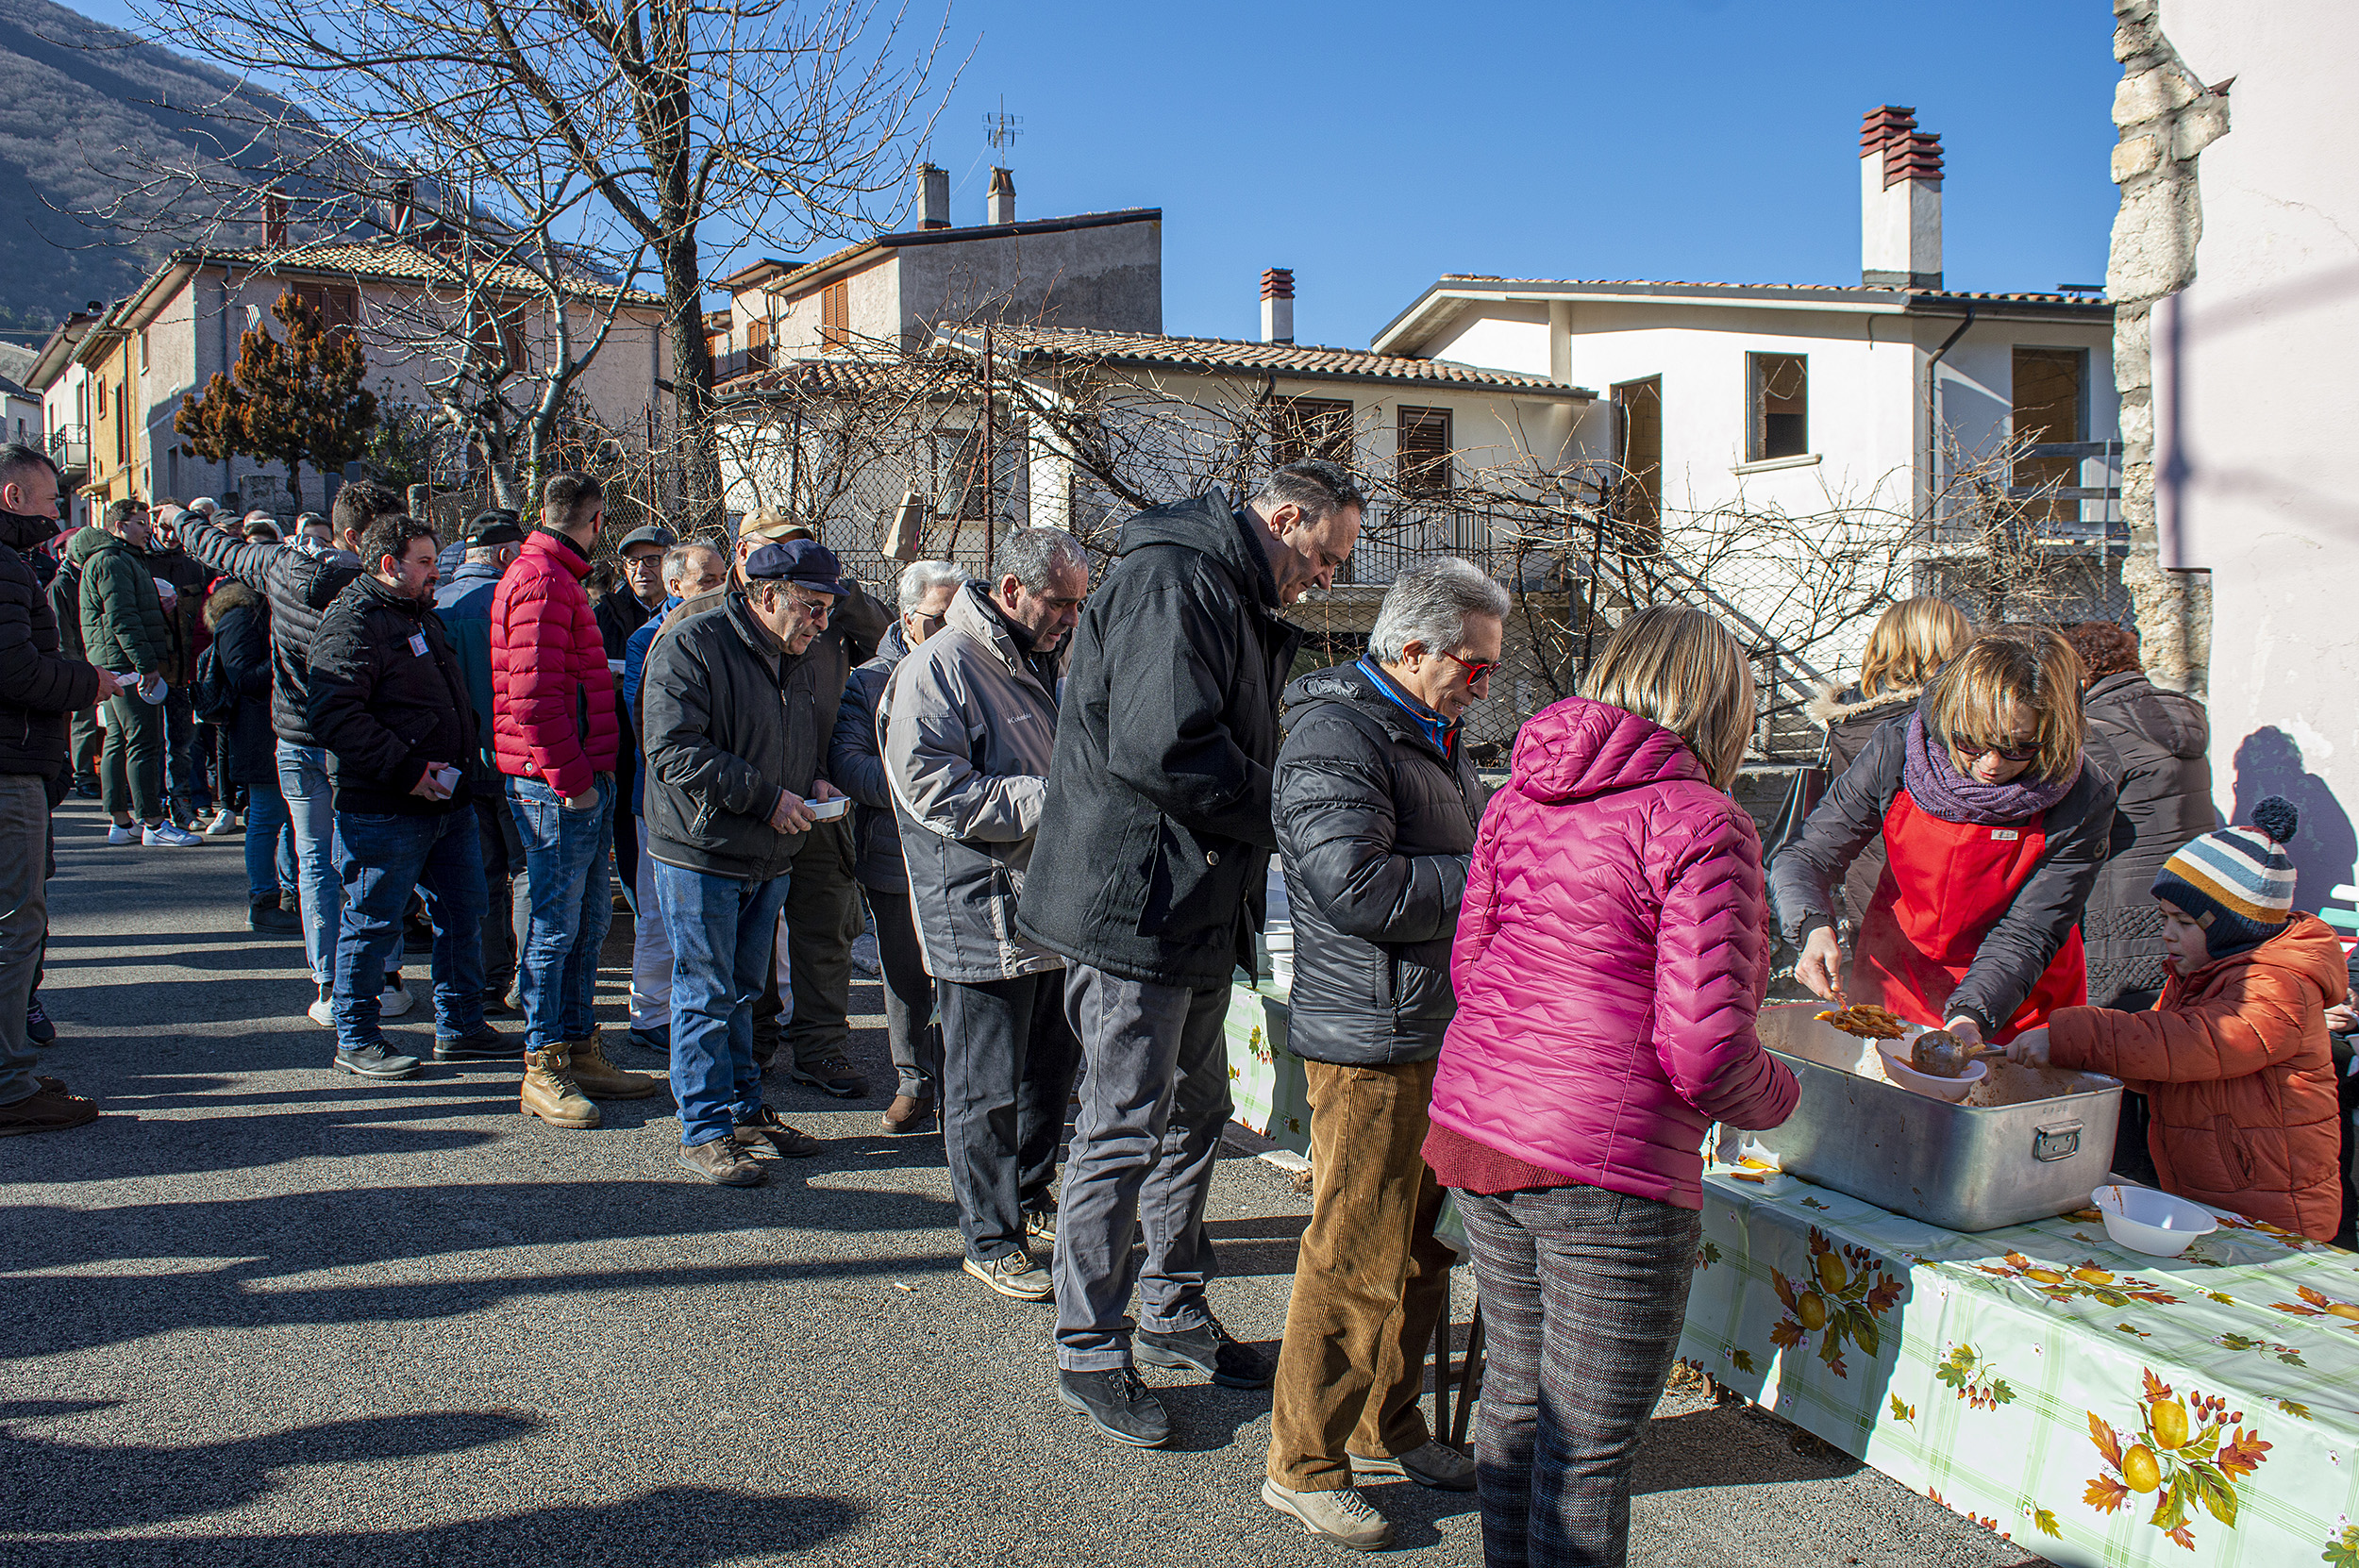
[
  {"x": 726, "y": 814},
  {"x": 299, "y": 580},
  {"x": 389, "y": 706},
  {"x": 1155, "y": 839},
  {"x": 38, "y": 689},
  {"x": 1376, "y": 806}
]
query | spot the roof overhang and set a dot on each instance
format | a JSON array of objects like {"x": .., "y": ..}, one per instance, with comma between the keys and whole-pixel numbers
[
  {"x": 968, "y": 340},
  {"x": 56, "y": 353},
  {"x": 1444, "y": 298},
  {"x": 852, "y": 259}
]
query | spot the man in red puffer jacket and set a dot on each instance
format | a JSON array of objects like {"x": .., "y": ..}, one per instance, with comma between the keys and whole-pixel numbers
[{"x": 555, "y": 737}]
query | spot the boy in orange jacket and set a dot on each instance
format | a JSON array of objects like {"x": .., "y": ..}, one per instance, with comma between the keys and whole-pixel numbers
[{"x": 2234, "y": 1060}]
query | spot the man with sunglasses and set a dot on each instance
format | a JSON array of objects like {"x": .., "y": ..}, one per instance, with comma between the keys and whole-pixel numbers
[{"x": 1376, "y": 807}]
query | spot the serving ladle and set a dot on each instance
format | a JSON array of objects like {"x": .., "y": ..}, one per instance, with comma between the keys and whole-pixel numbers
[{"x": 1939, "y": 1053}]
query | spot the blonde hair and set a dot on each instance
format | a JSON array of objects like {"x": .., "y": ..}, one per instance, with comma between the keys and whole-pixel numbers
[
  {"x": 2026, "y": 666},
  {"x": 1684, "y": 670},
  {"x": 1912, "y": 641}
]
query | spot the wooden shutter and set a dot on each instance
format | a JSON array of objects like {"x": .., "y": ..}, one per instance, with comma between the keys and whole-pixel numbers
[
  {"x": 1311, "y": 427},
  {"x": 1421, "y": 455},
  {"x": 836, "y": 314}
]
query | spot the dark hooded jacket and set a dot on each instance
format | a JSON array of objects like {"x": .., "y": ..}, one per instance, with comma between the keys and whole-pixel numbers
[
  {"x": 300, "y": 582},
  {"x": 388, "y": 698},
  {"x": 240, "y": 622},
  {"x": 38, "y": 686},
  {"x": 1156, "y": 837},
  {"x": 1375, "y": 827},
  {"x": 123, "y": 616},
  {"x": 2153, "y": 744}
]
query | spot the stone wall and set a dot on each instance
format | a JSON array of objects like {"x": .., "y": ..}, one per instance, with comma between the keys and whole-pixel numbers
[{"x": 2166, "y": 119}]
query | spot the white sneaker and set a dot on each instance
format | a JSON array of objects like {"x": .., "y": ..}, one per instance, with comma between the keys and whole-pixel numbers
[
  {"x": 223, "y": 823},
  {"x": 395, "y": 998},
  {"x": 165, "y": 836},
  {"x": 322, "y": 1010},
  {"x": 120, "y": 833}
]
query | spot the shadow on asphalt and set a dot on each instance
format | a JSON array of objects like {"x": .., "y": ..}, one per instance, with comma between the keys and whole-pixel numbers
[
  {"x": 1731, "y": 1446},
  {"x": 58, "y": 1487}
]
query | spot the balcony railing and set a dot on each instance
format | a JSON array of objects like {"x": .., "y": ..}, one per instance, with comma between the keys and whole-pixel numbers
[{"x": 69, "y": 446}]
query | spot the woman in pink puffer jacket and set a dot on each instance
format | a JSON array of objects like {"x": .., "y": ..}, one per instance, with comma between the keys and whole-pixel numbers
[{"x": 1611, "y": 955}]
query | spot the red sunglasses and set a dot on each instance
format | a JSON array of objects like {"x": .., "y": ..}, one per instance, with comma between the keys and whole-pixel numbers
[{"x": 1478, "y": 671}]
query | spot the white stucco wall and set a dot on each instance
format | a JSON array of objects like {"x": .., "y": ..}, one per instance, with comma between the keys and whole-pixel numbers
[{"x": 2255, "y": 406}]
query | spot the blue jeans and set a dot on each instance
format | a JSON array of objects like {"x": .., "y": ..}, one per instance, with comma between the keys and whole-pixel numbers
[
  {"x": 311, "y": 807},
  {"x": 384, "y": 858},
  {"x": 266, "y": 823},
  {"x": 573, "y": 904},
  {"x": 721, "y": 930}
]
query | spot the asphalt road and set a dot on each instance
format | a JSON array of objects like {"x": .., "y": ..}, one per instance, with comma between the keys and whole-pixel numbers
[{"x": 265, "y": 1312}]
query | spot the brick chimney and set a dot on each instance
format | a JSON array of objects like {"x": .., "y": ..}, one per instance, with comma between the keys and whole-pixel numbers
[
  {"x": 1002, "y": 200},
  {"x": 274, "y": 218},
  {"x": 1899, "y": 197},
  {"x": 933, "y": 196},
  {"x": 1277, "y": 305}
]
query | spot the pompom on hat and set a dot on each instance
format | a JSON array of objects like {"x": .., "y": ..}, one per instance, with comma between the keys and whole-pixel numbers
[{"x": 2237, "y": 883}]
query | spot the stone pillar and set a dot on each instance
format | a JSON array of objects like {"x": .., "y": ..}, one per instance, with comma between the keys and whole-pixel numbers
[{"x": 2165, "y": 118}]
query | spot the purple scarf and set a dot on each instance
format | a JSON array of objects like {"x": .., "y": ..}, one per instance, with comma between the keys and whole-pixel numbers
[{"x": 1932, "y": 780}]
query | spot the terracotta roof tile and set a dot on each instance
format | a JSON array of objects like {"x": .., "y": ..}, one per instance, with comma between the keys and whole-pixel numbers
[
  {"x": 392, "y": 261},
  {"x": 1768, "y": 287},
  {"x": 1304, "y": 359}
]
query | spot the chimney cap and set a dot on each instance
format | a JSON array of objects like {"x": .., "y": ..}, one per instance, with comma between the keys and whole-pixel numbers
[
  {"x": 1002, "y": 181},
  {"x": 1277, "y": 283}
]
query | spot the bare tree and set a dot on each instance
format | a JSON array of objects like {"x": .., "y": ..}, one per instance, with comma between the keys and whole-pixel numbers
[{"x": 626, "y": 130}]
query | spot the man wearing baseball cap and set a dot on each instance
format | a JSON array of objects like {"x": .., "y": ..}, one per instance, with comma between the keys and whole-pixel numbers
[
  {"x": 624, "y": 610},
  {"x": 486, "y": 551},
  {"x": 726, "y": 791}
]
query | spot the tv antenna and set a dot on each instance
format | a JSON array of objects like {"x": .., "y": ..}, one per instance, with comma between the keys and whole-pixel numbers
[{"x": 1002, "y": 132}]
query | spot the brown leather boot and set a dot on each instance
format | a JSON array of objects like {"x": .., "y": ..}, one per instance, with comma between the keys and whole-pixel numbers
[
  {"x": 551, "y": 1093},
  {"x": 600, "y": 1078}
]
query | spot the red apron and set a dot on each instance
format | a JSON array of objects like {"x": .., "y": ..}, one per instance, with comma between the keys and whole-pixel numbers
[{"x": 1944, "y": 885}]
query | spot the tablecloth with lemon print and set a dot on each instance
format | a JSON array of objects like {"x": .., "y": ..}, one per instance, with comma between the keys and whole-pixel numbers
[{"x": 2092, "y": 1404}]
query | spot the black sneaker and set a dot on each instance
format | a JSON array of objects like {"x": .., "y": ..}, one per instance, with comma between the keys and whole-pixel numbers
[
  {"x": 378, "y": 1060},
  {"x": 1118, "y": 1404},
  {"x": 657, "y": 1039},
  {"x": 38, "y": 1028},
  {"x": 267, "y": 916},
  {"x": 834, "y": 1075},
  {"x": 481, "y": 1043},
  {"x": 1209, "y": 1349}
]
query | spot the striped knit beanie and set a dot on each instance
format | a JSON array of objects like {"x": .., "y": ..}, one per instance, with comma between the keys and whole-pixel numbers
[{"x": 2237, "y": 883}]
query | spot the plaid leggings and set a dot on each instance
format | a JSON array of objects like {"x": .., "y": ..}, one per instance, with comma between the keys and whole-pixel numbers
[{"x": 1583, "y": 1292}]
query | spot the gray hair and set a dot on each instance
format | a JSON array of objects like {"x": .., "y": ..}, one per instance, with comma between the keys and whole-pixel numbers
[
  {"x": 676, "y": 560},
  {"x": 1429, "y": 603},
  {"x": 1033, "y": 556},
  {"x": 921, "y": 578},
  {"x": 1320, "y": 488}
]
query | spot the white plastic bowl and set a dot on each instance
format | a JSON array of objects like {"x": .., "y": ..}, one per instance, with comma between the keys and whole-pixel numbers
[
  {"x": 1896, "y": 1055},
  {"x": 829, "y": 808},
  {"x": 2154, "y": 1223}
]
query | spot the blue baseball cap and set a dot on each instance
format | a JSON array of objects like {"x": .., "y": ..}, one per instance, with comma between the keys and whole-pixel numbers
[{"x": 805, "y": 562}]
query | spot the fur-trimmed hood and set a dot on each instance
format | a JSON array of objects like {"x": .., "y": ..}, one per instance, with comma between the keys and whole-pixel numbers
[
  {"x": 1833, "y": 707},
  {"x": 230, "y": 596}
]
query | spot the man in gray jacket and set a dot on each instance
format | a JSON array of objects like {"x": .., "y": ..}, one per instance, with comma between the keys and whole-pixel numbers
[
  {"x": 726, "y": 814},
  {"x": 969, "y": 722}
]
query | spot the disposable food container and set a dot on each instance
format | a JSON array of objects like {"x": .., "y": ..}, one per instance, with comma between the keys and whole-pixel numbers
[
  {"x": 2154, "y": 1223},
  {"x": 2025, "y": 1143}
]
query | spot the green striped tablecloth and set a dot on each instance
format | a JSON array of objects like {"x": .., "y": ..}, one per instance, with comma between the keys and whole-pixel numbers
[
  {"x": 1266, "y": 1085},
  {"x": 2093, "y": 1405}
]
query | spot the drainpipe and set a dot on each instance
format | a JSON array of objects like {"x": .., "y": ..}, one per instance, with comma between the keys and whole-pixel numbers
[{"x": 1933, "y": 405}]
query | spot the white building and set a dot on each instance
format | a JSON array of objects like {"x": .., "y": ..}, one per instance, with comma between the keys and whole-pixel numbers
[{"x": 1807, "y": 399}]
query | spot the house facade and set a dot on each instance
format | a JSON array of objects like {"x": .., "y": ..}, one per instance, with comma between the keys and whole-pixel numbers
[{"x": 119, "y": 374}]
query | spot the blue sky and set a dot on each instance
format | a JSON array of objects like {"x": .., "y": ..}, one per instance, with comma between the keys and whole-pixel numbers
[{"x": 1374, "y": 146}]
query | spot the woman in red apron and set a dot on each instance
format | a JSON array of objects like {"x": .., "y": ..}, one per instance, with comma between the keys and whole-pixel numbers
[{"x": 1993, "y": 830}]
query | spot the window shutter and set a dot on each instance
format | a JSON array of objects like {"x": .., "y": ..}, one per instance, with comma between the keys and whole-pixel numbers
[
  {"x": 1421, "y": 457},
  {"x": 834, "y": 314}
]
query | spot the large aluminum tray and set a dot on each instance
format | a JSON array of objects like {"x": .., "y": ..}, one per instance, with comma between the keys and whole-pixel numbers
[{"x": 2030, "y": 1144}]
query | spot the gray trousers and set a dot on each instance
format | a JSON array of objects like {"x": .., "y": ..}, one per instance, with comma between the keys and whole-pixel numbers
[
  {"x": 1154, "y": 1098},
  {"x": 24, "y": 923}
]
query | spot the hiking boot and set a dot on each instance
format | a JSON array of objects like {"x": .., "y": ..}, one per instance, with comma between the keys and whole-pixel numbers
[
  {"x": 48, "y": 1108},
  {"x": 1208, "y": 1349},
  {"x": 1014, "y": 1277},
  {"x": 834, "y": 1075},
  {"x": 1041, "y": 1222},
  {"x": 376, "y": 1060},
  {"x": 1431, "y": 1463},
  {"x": 906, "y": 1114},
  {"x": 768, "y": 1129},
  {"x": 268, "y": 916},
  {"x": 657, "y": 1039},
  {"x": 551, "y": 1093},
  {"x": 1118, "y": 1404},
  {"x": 38, "y": 1026},
  {"x": 600, "y": 1078},
  {"x": 723, "y": 1162},
  {"x": 480, "y": 1044},
  {"x": 1341, "y": 1516},
  {"x": 122, "y": 832},
  {"x": 323, "y": 1009},
  {"x": 395, "y": 998},
  {"x": 165, "y": 834}
]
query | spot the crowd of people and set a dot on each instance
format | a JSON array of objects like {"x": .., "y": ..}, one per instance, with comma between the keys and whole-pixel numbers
[{"x": 1054, "y": 794}]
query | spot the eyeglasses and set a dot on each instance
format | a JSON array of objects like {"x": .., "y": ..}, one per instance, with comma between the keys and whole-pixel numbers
[
  {"x": 935, "y": 623},
  {"x": 1478, "y": 670},
  {"x": 1971, "y": 749}
]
